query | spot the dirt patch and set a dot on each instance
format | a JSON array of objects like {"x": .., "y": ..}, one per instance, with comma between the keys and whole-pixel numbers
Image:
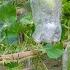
[{"x": 54, "y": 64}]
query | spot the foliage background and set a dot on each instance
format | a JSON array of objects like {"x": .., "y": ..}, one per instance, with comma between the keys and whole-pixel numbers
[{"x": 13, "y": 27}]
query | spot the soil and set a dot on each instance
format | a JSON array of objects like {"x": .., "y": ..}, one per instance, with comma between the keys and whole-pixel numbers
[{"x": 54, "y": 64}]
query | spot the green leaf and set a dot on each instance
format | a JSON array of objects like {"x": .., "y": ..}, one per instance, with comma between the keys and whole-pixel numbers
[
  {"x": 14, "y": 28},
  {"x": 11, "y": 39},
  {"x": 8, "y": 12},
  {"x": 55, "y": 52}
]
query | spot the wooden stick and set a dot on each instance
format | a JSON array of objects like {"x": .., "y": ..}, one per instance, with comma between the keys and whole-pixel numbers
[{"x": 18, "y": 55}]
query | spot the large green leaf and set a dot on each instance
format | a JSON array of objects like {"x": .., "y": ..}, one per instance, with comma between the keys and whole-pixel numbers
[
  {"x": 55, "y": 51},
  {"x": 7, "y": 12}
]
